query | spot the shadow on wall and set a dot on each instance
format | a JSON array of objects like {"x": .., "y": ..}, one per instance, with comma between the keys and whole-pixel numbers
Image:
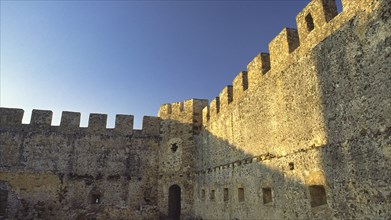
[
  {"x": 328, "y": 160},
  {"x": 232, "y": 184},
  {"x": 348, "y": 176},
  {"x": 356, "y": 97}
]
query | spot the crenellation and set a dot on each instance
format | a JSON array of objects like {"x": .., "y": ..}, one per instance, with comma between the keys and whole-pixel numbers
[
  {"x": 41, "y": 117},
  {"x": 165, "y": 111},
  {"x": 314, "y": 16},
  {"x": 70, "y": 120},
  {"x": 282, "y": 46},
  {"x": 258, "y": 67},
  {"x": 318, "y": 95},
  {"x": 188, "y": 111},
  {"x": 193, "y": 111},
  {"x": 187, "y": 105},
  {"x": 308, "y": 140},
  {"x": 194, "y": 106},
  {"x": 197, "y": 105},
  {"x": 240, "y": 84},
  {"x": 205, "y": 115},
  {"x": 11, "y": 116},
  {"x": 214, "y": 108},
  {"x": 329, "y": 9},
  {"x": 177, "y": 108},
  {"x": 97, "y": 122},
  {"x": 124, "y": 124},
  {"x": 226, "y": 97},
  {"x": 151, "y": 126}
]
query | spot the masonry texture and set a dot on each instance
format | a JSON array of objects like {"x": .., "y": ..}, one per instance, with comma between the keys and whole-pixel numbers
[{"x": 304, "y": 133}]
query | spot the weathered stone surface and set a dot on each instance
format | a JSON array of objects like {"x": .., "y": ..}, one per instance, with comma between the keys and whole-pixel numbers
[
  {"x": 303, "y": 134},
  {"x": 316, "y": 128},
  {"x": 56, "y": 173}
]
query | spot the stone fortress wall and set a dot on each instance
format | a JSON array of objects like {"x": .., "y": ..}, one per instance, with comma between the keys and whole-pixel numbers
[
  {"x": 304, "y": 133},
  {"x": 68, "y": 172}
]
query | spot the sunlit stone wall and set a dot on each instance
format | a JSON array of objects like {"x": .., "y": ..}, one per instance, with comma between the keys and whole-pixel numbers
[{"x": 307, "y": 132}]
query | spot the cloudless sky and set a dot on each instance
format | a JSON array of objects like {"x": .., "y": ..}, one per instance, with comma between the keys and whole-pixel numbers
[{"x": 129, "y": 57}]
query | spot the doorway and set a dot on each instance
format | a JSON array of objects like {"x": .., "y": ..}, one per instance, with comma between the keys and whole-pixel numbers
[{"x": 174, "y": 202}]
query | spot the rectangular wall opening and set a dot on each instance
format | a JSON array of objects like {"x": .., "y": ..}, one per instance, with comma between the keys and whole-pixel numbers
[
  {"x": 310, "y": 22},
  {"x": 95, "y": 198},
  {"x": 318, "y": 195},
  {"x": 267, "y": 195},
  {"x": 240, "y": 194},
  {"x": 3, "y": 202},
  {"x": 226, "y": 198},
  {"x": 203, "y": 194},
  {"x": 212, "y": 195}
]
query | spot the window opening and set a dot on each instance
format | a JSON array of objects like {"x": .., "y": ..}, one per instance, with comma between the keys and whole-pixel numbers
[
  {"x": 226, "y": 198},
  {"x": 310, "y": 22},
  {"x": 212, "y": 195},
  {"x": 240, "y": 194},
  {"x": 267, "y": 195},
  {"x": 174, "y": 147},
  {"x": 291, "y": 166},
  {"x": 96, "y": 199},
  {"x": 318, "y": 195}
]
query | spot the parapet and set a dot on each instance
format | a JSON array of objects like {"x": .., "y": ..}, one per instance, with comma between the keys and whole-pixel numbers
[
  {"x": 97, "y": 122},
  {"x": 258, "y": 67},
  {"x": 177, "y": 107},
  {"x": 41, "y": 117},
  {"x": 240, "y": 84},
  {"x": 185, "y": 112},
  {"x": 165, "y": 111},
  {"x": 318, "y": 20},
  {"x": 124, "y": 124},
  {"x": 205, "y": 115},
  {"x": 282, "y": 45},
  {"x": 11, "y": 116},
  {"x": 214, "y": 108},
  {"x": 316, "y": 14},
  {"x": 226, "y": 97},
  {"x": 151, "y": 126},
  {"x": 70, "y": 121}
]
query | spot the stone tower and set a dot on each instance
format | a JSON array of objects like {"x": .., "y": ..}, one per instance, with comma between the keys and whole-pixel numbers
[{"x": 181, "y": 122}]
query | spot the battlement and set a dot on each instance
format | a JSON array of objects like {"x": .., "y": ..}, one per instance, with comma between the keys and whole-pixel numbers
[
  {"x": 317, "y": 14},
  {"x": 318, "y": 20},
  {"x": 305, "y": 122},
  {"x": 240, "y": 84},
  {"x": 282, "y": 46},
  {"x": 258, "y": 67},
  {"x": 214, "y": 108},
  {"x": 185, "y": 112},
  {"x": 11, "y": 116},
  {"x": 70, "y": 122}
]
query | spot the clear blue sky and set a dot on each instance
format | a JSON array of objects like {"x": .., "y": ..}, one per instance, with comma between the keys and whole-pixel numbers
[{"x": 129, "y": 57}]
